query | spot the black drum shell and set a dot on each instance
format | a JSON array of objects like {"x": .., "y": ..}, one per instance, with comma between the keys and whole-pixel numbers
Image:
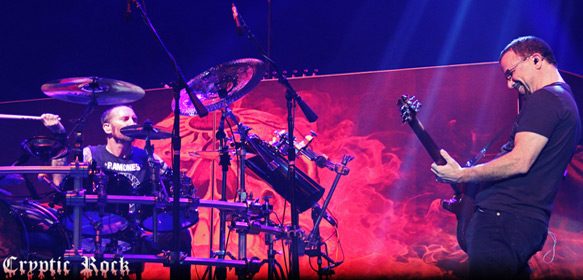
[{"x": 272, "y": 167}]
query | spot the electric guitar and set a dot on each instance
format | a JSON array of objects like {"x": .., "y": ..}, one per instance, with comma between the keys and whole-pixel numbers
[{"x": 460, "y": 204}]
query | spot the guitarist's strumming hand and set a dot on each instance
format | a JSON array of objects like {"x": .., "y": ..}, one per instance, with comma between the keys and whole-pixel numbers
[{"x": 451, "y": 172}]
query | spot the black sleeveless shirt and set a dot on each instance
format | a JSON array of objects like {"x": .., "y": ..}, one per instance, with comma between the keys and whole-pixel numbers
[{"x": 134, "y": 167}]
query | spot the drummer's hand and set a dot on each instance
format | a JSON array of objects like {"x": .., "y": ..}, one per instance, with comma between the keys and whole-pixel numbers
[{"x": 53, "y": 123}]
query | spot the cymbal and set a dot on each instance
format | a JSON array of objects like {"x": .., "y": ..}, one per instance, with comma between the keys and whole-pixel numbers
[
  {"x": 222, "y": 85},
  {"x": 215, "y": 155},
  {"x": 85, "y": 90},
  {"x": 144, "y": 132}
]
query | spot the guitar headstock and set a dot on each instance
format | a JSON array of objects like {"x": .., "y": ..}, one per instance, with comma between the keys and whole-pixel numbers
[{"x": 409, "y": 106}]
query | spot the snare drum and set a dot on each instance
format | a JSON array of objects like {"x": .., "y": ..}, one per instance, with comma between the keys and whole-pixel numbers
[{"x": 30, "y": 230}]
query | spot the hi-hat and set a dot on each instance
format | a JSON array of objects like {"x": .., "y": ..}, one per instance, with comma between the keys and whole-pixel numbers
[
  {"x": 146, "y": 131},
  {"x": 86, "y": 90},
  {"x": 222, "y": 85}
]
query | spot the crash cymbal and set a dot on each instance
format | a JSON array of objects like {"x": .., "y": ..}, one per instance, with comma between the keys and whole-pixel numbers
[
  {"x": 215, "y": 155},
  {"x": 222, "y": 85},
  {"x": 84, "y": 90},
  {"x": 144, "y": 132}
]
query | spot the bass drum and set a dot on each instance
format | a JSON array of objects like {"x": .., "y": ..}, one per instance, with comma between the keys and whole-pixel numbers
[
  {"x": 270, "y": 165},
  {"x": 30, "y": 231}
]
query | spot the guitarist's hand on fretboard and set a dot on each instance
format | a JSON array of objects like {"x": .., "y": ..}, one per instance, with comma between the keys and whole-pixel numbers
[{"x": 451, "y": 172}]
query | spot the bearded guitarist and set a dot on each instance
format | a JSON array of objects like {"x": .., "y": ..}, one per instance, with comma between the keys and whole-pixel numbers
[{"x": 512, "y": 214}]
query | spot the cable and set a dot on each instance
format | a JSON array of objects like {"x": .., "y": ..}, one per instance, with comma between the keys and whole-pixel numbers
[{"x": 552, "y": 251}]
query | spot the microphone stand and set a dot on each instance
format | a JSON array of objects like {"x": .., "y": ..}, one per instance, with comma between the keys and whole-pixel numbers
[
  {"x": 175, "y": 255},
  {"x": 292, "y": 99}
]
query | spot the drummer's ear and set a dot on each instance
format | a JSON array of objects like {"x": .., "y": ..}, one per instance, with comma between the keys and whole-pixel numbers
[{"x": 106, "y": 128}]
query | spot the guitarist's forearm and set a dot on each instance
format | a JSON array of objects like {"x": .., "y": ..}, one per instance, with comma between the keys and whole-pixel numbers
[
  {"x": 516, "y": 162},
  {"x": 494, "y": 170}
]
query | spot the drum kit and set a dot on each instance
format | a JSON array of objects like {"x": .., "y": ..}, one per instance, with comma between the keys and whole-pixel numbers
[{"x": 91, "y": 213}]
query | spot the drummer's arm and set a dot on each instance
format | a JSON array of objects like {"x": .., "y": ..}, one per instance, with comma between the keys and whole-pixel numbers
[
  {"x": 62, "y": 161},
  {"x": 53, "y": 123},
  {"x": 87, "y": 157}
]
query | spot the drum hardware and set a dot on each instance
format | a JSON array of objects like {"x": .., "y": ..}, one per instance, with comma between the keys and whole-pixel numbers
[
  {"x": 24, "y": 157},
  {"x": 272, "y": 167},
  {"x": 224, "y": 161},
  {"x": 292, "y": 98},
  {"x": 148, "y": 132},
  {"x": 164, "y": 258},
  {"x": 272, "y": 234},
  {"x": 102, "y": 218},
  {"x": 281, "y": 143},
  {"x": 202, "y": 111},
  {"x": 215, "y": 155},
  {"x": 77, "y": 170},
  {"x": 314, "y": 242}
]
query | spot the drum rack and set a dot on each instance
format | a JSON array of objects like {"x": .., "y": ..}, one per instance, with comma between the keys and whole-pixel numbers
[{"x": 78, "y": 199}]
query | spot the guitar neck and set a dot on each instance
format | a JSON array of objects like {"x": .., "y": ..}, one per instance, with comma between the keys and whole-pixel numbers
[{"x": 427, "y": 142}]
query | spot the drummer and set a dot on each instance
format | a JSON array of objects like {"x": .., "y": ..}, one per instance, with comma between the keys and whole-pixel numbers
[{"x": 119, "y": 156}]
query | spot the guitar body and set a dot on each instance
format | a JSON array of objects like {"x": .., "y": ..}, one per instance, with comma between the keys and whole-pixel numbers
[
  {"x": 461, "y": 204},
  {"x": 463, "y": 207}
]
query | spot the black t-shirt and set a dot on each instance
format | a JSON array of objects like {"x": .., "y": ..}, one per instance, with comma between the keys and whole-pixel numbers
[
  {"x": 550, "y": 112},
  {"x": 134, "y": 167}
]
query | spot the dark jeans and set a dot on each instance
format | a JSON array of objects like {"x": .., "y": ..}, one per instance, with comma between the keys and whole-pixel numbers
[{"x": 500, "y": 244}]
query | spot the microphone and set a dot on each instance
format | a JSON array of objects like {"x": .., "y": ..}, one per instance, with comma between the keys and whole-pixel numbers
[{"x": 238, "y": 22}]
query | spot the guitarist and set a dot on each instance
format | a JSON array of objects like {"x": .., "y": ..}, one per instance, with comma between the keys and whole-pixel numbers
[{"x": 511, "y": 219}]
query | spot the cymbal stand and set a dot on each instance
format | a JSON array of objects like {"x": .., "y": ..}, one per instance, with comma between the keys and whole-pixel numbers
[
  {"x": 224, "y": 162},
  {"x": 314, "y": 241},
  {"x": 154, "y": 167},
  {"x": 242, "y": 192},
  {"x": 101, "y": 183},
  {"x": 292, "y": 99},
  {"x": 175, "y": 257},
  {"x": 80, "y": 124},
  {"x": 270, "y": 239}
]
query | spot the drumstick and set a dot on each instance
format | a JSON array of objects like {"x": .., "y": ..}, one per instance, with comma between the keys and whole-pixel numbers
[{"x": 20, "y": 117}]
